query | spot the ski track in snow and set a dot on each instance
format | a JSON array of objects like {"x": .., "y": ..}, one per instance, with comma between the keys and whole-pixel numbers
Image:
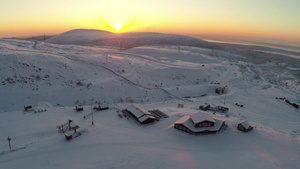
[{"x": 110, "y": 70}]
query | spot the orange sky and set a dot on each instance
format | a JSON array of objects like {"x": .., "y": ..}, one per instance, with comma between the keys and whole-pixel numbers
[{"x": 268, "y": 18}]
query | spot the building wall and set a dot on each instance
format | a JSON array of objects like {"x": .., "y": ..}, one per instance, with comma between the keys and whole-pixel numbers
[
  {"x": 187, "y": 130},
  {"x": 204, "y": 124},
  {"x": 241, "y": 127},
  {"x": 130, "y": 114},
  {"x": 183, "y": 128},
  {"x": 149, "y": 120}
]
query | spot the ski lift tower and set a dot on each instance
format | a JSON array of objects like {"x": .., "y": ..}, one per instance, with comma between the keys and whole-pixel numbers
[{"x": 92, "y": 112}]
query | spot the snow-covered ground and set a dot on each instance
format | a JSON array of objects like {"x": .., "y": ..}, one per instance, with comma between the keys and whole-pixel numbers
[{"x": 58, "y": 77}]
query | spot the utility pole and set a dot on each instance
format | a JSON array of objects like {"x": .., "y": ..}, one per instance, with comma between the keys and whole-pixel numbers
[
  {"x": 245, "y": 80},
  {"x": 83, "y": 114},
  {"x": 8, "y": 139},
  {"x": 69, "y": 124},
  {"x": 92, "y": 111},
  {"x": 225, "y": 93}
]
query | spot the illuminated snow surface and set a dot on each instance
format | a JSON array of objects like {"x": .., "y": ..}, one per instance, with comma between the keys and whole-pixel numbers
[{"x": 57, "y": 77}]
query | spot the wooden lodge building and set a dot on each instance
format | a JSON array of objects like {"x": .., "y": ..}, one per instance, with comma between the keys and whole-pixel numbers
[
  {"x": 138, "y": 113},
  {"x": 199, "y": 123}
]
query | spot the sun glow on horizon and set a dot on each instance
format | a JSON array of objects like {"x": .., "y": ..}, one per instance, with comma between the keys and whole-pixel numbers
[
  {"x": 117, "y": 27},
  {"x": 232, "y": 17}
]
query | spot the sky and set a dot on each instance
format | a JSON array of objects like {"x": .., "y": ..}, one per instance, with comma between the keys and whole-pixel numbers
[{"x": 276, "y": 19}]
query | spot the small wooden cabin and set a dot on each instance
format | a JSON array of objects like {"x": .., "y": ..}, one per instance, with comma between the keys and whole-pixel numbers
[
  {"x": 103, "y": 106},
  {"x": 220, "y": 90},
  {"x": 79, "y": 108},
  {"x": 180, "y": 105},
  {"x": 27, "y": 108},
  {"x": 222, "y": 109},
  {"x": 244, "y": 126},
  {"x": 204, "y": 107},
  {"x": 68, "y": 136}
]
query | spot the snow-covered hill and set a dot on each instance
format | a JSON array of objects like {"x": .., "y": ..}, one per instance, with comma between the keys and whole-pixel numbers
[
  {"x": 126, "y": 40},
  {"x": 81, "y": 37},
  {"x": 57, "y": 77}
]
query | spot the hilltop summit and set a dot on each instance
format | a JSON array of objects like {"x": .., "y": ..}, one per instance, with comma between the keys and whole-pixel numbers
[{"x": 126, "y": 40}]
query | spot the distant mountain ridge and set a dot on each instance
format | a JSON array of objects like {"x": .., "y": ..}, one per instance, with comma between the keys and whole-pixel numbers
[{"x": 126, "y": 40}]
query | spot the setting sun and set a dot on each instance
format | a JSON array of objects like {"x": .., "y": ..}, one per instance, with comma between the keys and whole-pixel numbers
[
  {"x": 118, "y": 27},
  {"x": 254, "y": 18}
]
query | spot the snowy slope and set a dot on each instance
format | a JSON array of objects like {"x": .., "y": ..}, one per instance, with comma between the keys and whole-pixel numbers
[
  {"x": 80, "y": 37},
  {"x": 126, "y": 40},
  {"x": 58, "y": 77}
]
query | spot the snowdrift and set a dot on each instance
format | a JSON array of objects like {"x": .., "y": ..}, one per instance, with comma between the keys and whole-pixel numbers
[{"x": 126, "y": 40}]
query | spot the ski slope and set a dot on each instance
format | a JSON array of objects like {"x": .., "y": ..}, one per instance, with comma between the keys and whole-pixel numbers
[{"x": 56, "y": 77}]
